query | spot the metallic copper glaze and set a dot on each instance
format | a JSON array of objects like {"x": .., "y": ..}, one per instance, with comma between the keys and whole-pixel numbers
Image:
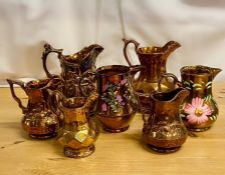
[{"x": 154, "y": 59}]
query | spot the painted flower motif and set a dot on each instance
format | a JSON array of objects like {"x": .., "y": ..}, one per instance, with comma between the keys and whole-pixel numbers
[
  {"x": 105, "y": 87},
  {"x": 119, "y": 98},
  {"x": 122, "y": 82},
  {"x": 104, "y": 107},
  {"x": 197, "y": 111}
]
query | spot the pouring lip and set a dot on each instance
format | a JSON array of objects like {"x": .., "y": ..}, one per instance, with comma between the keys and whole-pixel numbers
[{"x": 167, "y": 95}]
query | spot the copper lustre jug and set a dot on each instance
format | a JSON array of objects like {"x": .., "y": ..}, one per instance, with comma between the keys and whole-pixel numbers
[
  {"x": 199, "y": 110},
  {"x": 73, "y": 68},
  {"x": 117, "y": 103},
  {"x": 154, "y": 59},
  {"x": 78, "y": 133},
  {"x": 76, "y": 63},
  {"x": 38, "y": 120},
  {"x": 163, "y": 129}
]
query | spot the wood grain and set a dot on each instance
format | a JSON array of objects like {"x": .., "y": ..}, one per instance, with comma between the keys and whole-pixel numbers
[{"x": 120, "y": 154}]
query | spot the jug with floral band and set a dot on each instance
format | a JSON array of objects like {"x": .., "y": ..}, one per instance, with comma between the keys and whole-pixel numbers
[
  {"x": 199, "y": 109},
  {"x": 117, "y": 103}
]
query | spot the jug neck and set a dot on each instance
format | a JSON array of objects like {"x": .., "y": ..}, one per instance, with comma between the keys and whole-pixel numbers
[
  {"x": 155, "y": 66},
  {"x": 75, "y": 116},
  {"x": 198, "y": 79}
]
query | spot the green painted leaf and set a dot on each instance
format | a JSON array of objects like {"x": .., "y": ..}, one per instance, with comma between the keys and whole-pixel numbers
[
  {"x": 188, "y": 88},
  {"x": 197, "y": 85},
  {"x": 187, "y": 83},
  {"x": 209, "y": 83},
  {"x": 191, "y": 81}
]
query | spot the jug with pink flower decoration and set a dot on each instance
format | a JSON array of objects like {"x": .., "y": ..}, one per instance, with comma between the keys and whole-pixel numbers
[{"x": 199, "y": 109}]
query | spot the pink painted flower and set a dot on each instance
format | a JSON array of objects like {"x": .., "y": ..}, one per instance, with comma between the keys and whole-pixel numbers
[
  {"x": 119, "y": 98},
  {"x": 197, "y": 111},
  {"x": 124, "y": 81},
  {"x": 104, "y": 107},
  {"x": 104, "y": 87}
]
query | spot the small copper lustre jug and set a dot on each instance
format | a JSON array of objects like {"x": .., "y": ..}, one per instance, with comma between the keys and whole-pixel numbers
[
  {"x": 79, "y": 132},
  {"x": 199, "y": 110},
  {"x": 38, "y": 120},
  {"x": 163, "y": 129}
]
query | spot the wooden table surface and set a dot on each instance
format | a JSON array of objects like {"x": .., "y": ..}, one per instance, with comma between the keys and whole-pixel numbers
[{"x": 122, "y": 153}]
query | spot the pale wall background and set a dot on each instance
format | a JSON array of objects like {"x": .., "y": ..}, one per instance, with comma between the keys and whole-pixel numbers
[{"x": 25, "y": 25}]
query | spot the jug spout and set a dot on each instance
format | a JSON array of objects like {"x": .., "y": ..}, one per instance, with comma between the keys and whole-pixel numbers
[
  {"x": 215, "y": 71},
  {"x": 94, "y": 50},
  {"x": 169, "y": 47},
  {"x": 90, "y": 54}
]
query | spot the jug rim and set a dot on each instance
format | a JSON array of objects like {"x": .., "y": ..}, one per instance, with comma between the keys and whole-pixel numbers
[
  {"x": 37, "y": 84},
  {"x": 198, "y": 70},
  {"x": 116, "y": 68},
  {"x": 169, "y": 96},
  {"x": 156, "y": 50}
]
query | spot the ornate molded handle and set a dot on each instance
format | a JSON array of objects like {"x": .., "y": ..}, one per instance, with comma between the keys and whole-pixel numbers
[
  {"x": 88, "y": 78},
  {"x": 54, "y": 101},
  {"x": 48, "y": 50},
  {"x": 126, "y": 43},
  {"x": 17, "y": 99},
  {"x": 166, "y": 76}
]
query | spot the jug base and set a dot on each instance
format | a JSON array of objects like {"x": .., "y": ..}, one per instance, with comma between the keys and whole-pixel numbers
[
  {"x": 164, "y": 150},
  {"x": 79, "y": 153},
  {"x": 199, "y": 129},
  {"x": 112, "y": 130},
  {"x": 42, "y": 136}
]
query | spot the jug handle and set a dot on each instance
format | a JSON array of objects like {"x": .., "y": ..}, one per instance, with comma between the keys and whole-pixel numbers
[
  {"x": 136, "y": 68},
  {"x": 168, "y": 75},
  {"x": 54, "y": 96},
  {"x": 126, "y": 43},
  {"x": 47, "y": 51},
  {"x": 17, "y": 99}
]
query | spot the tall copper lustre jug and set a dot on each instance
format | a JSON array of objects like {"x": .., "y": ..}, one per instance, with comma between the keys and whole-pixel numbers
[{"x": 154, "y": 59}]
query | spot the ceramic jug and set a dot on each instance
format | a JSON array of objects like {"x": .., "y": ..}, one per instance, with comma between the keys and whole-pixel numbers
[
  {"x": 163, "y": 129},
  {"x": 73, "y": 69},
  {"x": 154, "y": 58},
  {"x": 117, "y": 103},
  {"x": 78, "y": 133},
  {"x": 38, "y": 120},
  {"x": 199, "y": 110},
  {"x": 76, "y": 63}
]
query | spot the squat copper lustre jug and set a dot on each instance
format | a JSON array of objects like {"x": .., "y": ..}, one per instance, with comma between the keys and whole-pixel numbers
[
  {"x": 117, "y": 103},
  {"x": 200, "y": 109},
  {"x": 164, "y": 130},
  {"x": 76, "y": 63},
  {"x": 78, "y": 133},
  {"x": 154, "y": 59},
  {"x": 38, "y": 120}
]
